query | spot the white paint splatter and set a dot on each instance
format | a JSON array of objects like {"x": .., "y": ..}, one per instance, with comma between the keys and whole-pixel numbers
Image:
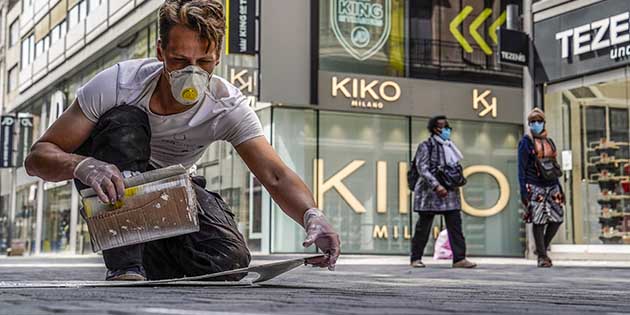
[
  {"x": 164, "y": 197},
  {"x": 112, "y": 232},
  {"x": 158, "y": 206}
]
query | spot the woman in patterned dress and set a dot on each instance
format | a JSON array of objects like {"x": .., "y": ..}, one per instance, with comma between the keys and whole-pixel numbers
[{"x": 542, "y": 198}]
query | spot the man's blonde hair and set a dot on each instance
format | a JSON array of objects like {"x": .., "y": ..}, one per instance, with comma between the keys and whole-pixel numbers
[{"x": 204, "y": 16}]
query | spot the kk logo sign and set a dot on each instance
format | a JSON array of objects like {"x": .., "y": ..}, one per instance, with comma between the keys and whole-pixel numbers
[{"x": 361, "y": 26}]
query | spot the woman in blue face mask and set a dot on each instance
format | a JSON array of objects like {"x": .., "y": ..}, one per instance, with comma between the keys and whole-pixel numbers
[
  {"x": 437, "y": 192},
  {"x": 541, "y": 193}
]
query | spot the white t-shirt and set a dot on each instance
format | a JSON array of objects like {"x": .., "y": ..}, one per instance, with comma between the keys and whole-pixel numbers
[{"x": 222, "y": 114}]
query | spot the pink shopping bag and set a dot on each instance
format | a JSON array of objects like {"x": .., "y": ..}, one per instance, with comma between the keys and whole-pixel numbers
[{"x": 442, "y": 247}]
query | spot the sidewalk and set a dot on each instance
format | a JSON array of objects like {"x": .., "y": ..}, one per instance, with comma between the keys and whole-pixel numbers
[
  {"x": 95, "y": 260},
  {"x": 367, "y": 285}
]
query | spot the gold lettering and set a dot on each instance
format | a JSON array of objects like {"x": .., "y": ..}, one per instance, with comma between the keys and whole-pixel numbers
[
  {"x": 406, "y": 233},
  {"x": 335, "y": 182},
  {"x": 251, "y": 100},
  {"x": 403, "y": 190},
  {"x": 355, "y": 87},
  {"x": 340, "y": 86},
  {"x": 381, "y": 187},
  {"x": 396, "y": 232},
  {"x": 488, "y": 107},
  {"x": 504, "y": 191},
  {"x": 380, "y": 232},
  {"x": 368, "y": 89},
  {"x": 390, "y": 98},
  {"x": 242, "y": 80}
]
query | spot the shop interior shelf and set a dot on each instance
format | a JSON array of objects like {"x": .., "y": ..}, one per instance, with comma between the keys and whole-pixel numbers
[
  {"x": 612, "y": 239},
  {"x": 612, "y": 175},
  {"x": 613, "y": 221},
  {"x": 610, "y": 151}
]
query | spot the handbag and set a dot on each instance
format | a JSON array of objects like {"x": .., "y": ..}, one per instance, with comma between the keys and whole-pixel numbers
[
  {"x": 450, "y": 176},
  {"x": 548, "y": 167}
]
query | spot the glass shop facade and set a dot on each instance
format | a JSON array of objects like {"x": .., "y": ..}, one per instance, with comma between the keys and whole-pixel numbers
[{"x": 583, "y": 81}]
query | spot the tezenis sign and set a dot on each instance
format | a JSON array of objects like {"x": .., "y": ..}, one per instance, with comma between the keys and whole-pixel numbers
[{"x": 596, "y": 35}]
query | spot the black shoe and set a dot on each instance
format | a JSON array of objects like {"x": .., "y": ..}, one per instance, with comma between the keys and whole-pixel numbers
[
  {"x": 130, "y": 274},
  {"x": 544, "y": 262}
]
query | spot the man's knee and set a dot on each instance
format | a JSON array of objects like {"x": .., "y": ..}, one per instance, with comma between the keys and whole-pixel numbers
[
  {"x": 122, "y": 136},
  {"x": 239, "y": 257},
  {"x": 128, "y": 125}
]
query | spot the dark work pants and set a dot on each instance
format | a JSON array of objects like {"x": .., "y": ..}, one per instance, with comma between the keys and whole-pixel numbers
[
  {"x": 423, "y": 232},
  {"x": 122, "y": 137}
]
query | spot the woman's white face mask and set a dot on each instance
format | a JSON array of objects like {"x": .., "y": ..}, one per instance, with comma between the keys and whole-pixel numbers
[{"x": 188, "y": 85}]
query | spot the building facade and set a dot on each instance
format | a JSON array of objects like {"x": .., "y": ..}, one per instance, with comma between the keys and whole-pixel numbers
[
  {"x": 582, "y": 80},
  {"x": 378, "y": 70},
  {"x": 54, "y": 47},
  {"x": 343, "y": 89}
]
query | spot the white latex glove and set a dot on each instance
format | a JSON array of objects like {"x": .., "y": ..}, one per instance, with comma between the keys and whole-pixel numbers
[
  {"x": 103, "y": 177},
  {"x": 321, "y": 233}
]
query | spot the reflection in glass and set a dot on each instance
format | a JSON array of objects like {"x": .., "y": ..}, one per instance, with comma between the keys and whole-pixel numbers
[
  {"x": 600, "y": 200},
  {"x": 56, "y": 225},
  {"x": 294, "y": 138},
  {"x": 375, "y": 144},
  {"x": 495, "y": 145}
]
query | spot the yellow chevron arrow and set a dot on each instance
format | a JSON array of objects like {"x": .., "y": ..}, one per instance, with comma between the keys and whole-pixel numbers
[
  {"x": 495, "y": 26},
  {"x": 456, "y": 22},
  {"x": 475, "y": 35}
]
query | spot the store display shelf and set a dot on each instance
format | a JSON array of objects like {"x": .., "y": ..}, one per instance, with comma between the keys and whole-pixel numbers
[{"x": 612, "y": 175}]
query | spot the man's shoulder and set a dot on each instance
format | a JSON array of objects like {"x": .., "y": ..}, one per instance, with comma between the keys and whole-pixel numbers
[
  {"x": 137, "y": 72},
  {"x": 223, "y": 92},
  {"x": 222, "y": 99}
]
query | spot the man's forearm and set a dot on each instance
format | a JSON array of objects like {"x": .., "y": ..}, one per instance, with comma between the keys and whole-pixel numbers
[
  {"x": 50, "y": 163},
  {"x": 291, "y": 194}
]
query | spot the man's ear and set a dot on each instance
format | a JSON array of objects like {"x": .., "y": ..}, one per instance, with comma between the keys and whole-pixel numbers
[{"x": 160, "y": 53}]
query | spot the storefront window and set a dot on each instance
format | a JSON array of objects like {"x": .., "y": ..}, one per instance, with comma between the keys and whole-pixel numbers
[
  {"x": 490, "y": 149},
  {"x": 595, "y": 111},
  {"x": 84, "y": 244},
  {"x": 415, "y": 39},
  {"x": 56, "y": 225},
  {"x": 359, "y": 180},
  {"x": 295, "y": 140},
  {"x": 370, "y": 33},
  {"x": 4, "y": 223},
  {"x": 25, "y": 218},
  {"x": 360, "y": 183}
]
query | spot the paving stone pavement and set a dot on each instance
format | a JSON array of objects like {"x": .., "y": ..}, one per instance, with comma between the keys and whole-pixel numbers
[{"x": 361, "y": 286}]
